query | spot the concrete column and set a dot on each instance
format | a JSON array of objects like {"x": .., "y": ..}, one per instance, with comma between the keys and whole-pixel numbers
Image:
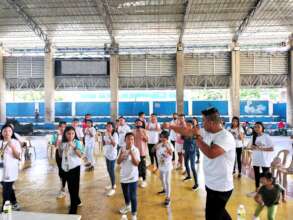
[
  {"x": 290, "y": 86},
  {"x": 2, "y": 88},
  {"x": 235, "y": 82},
  {"x": 114, "y": 85},
  {"x": 180, "y": 79},
  {"x": 49, "y": 86}
]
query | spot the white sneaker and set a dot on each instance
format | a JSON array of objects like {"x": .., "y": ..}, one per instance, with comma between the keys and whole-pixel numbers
[
  {"x": 110, "y": 187},
  {"x": 16, "y": 207},
  {"x": 111, "y": 192},
  {"x": 124, "y": 217},
  {"x": 255, "y": 218},
  {"x": 61, "y": 194},
  {"x": 125, "y": 209},
  {"x": 133, "y": 217},
  {"x": 143, "y": 184}
]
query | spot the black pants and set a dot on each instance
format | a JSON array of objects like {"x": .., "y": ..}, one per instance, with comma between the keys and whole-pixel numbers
[
  {"x": 60, "y": 170},
  {"x": 142, "y": 168},
  {"x": 72, "y": 177},
  {"x": 152, "y": 154},
  {"x": 173, "y": 154},
  {"x": 238, "y": 159},
  {"x": 215, "y": 205},
  {"x": 257, "y": 174},
  {"x": 8, "y": 193}
]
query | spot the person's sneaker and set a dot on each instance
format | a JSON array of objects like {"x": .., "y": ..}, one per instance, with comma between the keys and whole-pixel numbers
[
  {"x": 251, "y": 194},
  {"x": 61, "y": 194},
  {"x": 255, "y": 218},
  {"x": 167, "y": 202},
  {"x": 143, "y": 184},
  {"x": 195, "y": 187},
  {"x": 16, "y": 207},
  {"x": 111, "y": 192},
  {"x": 162, "y": 192},
  {"x": 239, "y": 175},
  {"x": 187, "y": 178},
  {"x": 110, "y": 187},
  {"x": 124, "y": 217},
  {"x": 133, "y": 217},
  {"x": 125, "y": 209},
  {"x": 80, "y": 204}
]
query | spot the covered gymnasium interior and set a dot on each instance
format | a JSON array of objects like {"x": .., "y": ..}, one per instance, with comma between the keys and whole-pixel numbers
[{"x": 164, "y": 46}]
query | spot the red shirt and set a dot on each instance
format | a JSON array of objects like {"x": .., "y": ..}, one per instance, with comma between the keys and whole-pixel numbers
[{"x": 281, "y": 124}]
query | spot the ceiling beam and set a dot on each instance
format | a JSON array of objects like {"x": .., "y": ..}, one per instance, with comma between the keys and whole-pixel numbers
[
  {"x": 186, "y": 15},
  {"x": 104, "y": 11},
  {"x": 31, "y": 23},
  {"x": 246, "y": 21}
]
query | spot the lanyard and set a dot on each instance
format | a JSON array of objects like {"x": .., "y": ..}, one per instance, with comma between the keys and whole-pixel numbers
[{"x": 2, "y": 150}]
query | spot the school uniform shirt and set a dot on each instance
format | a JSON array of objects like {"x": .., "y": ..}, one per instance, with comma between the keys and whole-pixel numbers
[
  {"x": 153, "y": 134},
  {"x": 218, "y": 171},
  {"x": 164, "y": 159},
  {"x": 9, "y": 164},
  {"x": 79, "y": 132},
  {"x": 129, "y": 172},
  {"x": 110, "y": 151},
  {"x": 70, "y": 160},
  {"x": 172, "y": 132},
  {"x": 90, "y": 140},
  {"x": 263, "y": 158},
  {"x": 122, "y": 130},
  {"x": 236, "y": 132},
  {"x": 54, "y": 138}
]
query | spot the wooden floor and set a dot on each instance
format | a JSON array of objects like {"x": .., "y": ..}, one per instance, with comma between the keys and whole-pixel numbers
[{"x": 37, "y": 188}]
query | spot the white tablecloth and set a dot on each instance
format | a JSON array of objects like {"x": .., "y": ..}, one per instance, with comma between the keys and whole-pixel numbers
[{"x": 41, "y": 216}]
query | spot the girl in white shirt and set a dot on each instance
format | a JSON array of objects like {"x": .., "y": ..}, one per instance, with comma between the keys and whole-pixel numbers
[
  {"x": 90, "y": 142},
  {"x": 129, "y": 159},
  {"x": 238, "y": 134},
  {"x": 164, "y": 152},
  {"x": 110, "y": 141},
  {"x": 71, "y": 151},
  {"x": 78, "y": 129},
  {"x": 262, "y": 147},
  {"x": 10, "y": 152},
  {"x": 153, "y": 128}
]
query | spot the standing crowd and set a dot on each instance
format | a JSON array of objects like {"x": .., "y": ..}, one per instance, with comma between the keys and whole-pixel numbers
[{"x": 177, "y": 143}]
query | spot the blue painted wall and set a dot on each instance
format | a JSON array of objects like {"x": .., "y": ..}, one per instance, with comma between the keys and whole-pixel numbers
[
  {"x": 133, "y": 108},
  {"x": 63, "y": 109},
  {"x": 93, "y": 108},
  {"x": 167, "y": 108},
  {"x": 20, "y": 109},
  {"x": 254, "y": 107},
  {"x": 280, "y": 109},
  {"x": 198, "y": 106}
]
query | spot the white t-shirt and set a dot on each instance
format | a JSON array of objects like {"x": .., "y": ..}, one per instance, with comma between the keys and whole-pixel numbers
[
  {"x": 9, "y": 171},
  {"x": 164, "y": 159},
  {"x": 263, "y": 158},
  {"x": 236, "y": 132},
  {"x": 110, "y": 151},
  {"x": 129, "y": 172},
  {"x": 79, "y": 132},
  {"x": 218, "y": 171},
  {"x": 70, "y": 160},
  {"x": 122, "y": 130},
  {"x": 153, "y": 134},
  {"x": 172, "y": 132},
  {"x": 90, "y": 140}
]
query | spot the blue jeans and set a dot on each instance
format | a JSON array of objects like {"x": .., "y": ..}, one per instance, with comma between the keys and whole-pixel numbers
[
  {"x": 111, "y": 170},
  {"x": 190, "y": 156},
  {"x": 129, "y": 192}
]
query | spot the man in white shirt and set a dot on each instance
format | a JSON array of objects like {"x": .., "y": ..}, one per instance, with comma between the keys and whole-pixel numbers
[
  {"x": 218, "y": 148},
  {"x": 122, "y": 130}
]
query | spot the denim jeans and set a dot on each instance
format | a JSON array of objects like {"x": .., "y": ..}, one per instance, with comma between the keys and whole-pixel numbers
[
  {"x": 111, "y": 170},
  {"x": 129, "y": 192},
  {"x": 190, "y": 157}
]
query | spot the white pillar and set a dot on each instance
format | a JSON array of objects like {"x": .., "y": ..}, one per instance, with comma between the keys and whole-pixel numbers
[
  {"x": 180, "y": 79},
  {"x": 290, "y": 86},
  {"x": 2, "y": 88},
  {"x": 49, "y": 86},
  {"x": 235, "y": 82},
  {"x": 114, "y": 85}
]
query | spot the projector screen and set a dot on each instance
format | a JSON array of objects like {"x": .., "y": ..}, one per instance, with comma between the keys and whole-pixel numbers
[{"x": 81, "y": 67}]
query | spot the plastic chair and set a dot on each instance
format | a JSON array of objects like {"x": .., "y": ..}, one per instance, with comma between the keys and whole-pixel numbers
[
  {"x": 279, "y": 162},
  {"x": 284, "y": 172}
]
